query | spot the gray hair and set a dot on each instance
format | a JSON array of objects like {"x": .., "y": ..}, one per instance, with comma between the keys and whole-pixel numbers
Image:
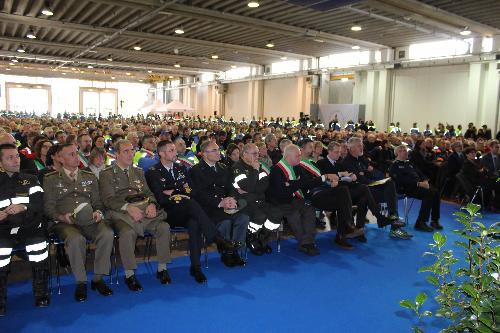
[
  {"x": 284, "y": 143},
  {"x": 269, "y": 138},
  {"x": 397, "y": 149},
  {"x": 289, "y": 149},
  {"x": 353, "y": 141}
]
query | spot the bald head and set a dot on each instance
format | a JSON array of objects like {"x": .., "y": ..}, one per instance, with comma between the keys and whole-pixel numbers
[
  {"x": 292, "y": 154},
  {"x": 7, "y": 138}
]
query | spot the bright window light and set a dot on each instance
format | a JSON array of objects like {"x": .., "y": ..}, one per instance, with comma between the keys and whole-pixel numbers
[
  {"x": 440, "y": 49},
  {"x": 378, "y": 56},
  {"x": 207, "y": 77},
  {"x": 285, "y": 66},
  {"x": 487, "y": 45},
  {"x": 342, "y": 60},
  {"x": 237, "y": 73}
]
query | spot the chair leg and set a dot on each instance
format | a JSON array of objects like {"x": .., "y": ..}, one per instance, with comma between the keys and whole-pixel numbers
[
  {"x": 58, "y": 275},
  {"x": 206, "y": 251},
  {"x": 116, "y": 260},
  {"x": 406, "y": 210}
]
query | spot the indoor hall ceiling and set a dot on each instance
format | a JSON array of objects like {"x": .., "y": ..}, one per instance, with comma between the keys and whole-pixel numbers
[{"x": 84, "y": 33}]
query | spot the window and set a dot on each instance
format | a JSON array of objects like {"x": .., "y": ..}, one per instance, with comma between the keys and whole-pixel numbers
[
  {"x": 440, "y": 49},
  {"x": 28, "y": 98},
  {"x": 285, "y": 66},
  {"x": 348, "y": 59},
  {"x": 207, "y": 77},
  {"x": 487, "y": 45},
  {"x": 237, "y": 73}
]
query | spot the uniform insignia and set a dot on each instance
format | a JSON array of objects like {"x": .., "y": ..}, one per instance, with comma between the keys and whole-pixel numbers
[
  {"x": 162, "y": 179},
  {"x": 187, "y": 188},
  {"x": 24, "y": 182}
]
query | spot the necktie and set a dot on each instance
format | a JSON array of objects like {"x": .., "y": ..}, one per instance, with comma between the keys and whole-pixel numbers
[
  {"x": 172, "y": 173},
  {"x": 495, "y": 164},
  {"x": 72, "y": 176},
  {"x": 213, "y": 168},
  {"x": 126, "y": 173}
]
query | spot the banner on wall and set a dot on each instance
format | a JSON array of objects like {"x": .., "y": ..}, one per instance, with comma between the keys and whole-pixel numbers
[{"x": 325, "y": 113}]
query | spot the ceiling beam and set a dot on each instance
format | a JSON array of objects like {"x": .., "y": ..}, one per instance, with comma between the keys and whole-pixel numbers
[
  {"x": 248, "y": 22},
  {"x": 120, "y": 52},
  {"x": 433, "y": 16},
  {"x": 46, "y": 23}
]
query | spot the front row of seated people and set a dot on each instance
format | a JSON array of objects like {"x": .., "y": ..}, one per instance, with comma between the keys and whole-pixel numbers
[{"x": 244, "y": 204}]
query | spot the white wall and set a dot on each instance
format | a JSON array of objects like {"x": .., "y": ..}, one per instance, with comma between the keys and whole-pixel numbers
[
  {"x": 238, "y": 101},
  {"x": 66, "y": 93},
  {"x": 431, "y": 95},
  {"x": 282, "y": 98}
]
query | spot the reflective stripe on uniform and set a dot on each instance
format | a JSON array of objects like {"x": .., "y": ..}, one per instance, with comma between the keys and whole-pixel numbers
[
  {"x": 35, "y": 189},
  {"x": 20, "y": 200},
  {"x": 270, "y": 225},
  {"x": 38, "y": 257},
  {"x": 4, "y": 262},
  {"x": 5, "y": 251},
  {"x": 36, "y": 247},
  {"x": 237, "y": 179},
  {"x": 262, "y": 175},
  {"x": 254, "y": 227},
  {"x": 4, "y": 203}
]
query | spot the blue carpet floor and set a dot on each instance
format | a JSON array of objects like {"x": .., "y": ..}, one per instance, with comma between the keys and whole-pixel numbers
[{"x": 338, "y": 291}]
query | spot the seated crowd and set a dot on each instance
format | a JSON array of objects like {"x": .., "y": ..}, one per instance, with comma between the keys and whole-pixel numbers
[{"x": 232, "y": 184}]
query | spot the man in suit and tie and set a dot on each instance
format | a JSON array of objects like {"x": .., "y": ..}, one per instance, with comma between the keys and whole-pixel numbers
[
  {"x": 173, "y": 189},
  {"x": 491, "y": 161},
  {"x": 133, "y": 210},
  {"x": 72, "y": 200}
]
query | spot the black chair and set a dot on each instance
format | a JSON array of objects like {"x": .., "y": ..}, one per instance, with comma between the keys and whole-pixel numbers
[{"x": 469, "y": 190}]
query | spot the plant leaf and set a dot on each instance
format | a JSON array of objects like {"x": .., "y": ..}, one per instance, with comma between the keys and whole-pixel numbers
[
  {"x": 432, "y": 280},
  {"x": 420, "y": 299},
  {"x": 406, "y": 303}
]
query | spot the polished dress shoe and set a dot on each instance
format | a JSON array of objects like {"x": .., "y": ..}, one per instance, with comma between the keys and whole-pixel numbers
[
  {"x": 101, "y": 287},
  {"x": 309, "y": 249},
  {"x": 343, "y": 243},
  {"x": 227, "y": 259},
  {"x": 361, "y": 239},
  {"x": 352, "y": 232},
  {"x": 226, "y": 245},
  {"x": 81, "y": 292},
  {"x": 422, "y": 226},
  {"x": 436, "y": 225},
  {"x": 42, "y": 301},
  {"x": 254, "y": 245},
  {"x": 133, "y": 284},
  {"x": 163, "y": 277},
  {"x": 237, "y": 260},
  {"x": 198, "y": 275}
]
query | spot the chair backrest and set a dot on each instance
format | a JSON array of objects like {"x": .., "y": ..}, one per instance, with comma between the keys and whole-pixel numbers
[{"x": 464, "y": 183}]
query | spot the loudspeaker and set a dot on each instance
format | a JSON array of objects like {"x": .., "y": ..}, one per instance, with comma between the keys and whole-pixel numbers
[
  {"x": 497, "y": 57},
  {"x": 397, "y": 66}
]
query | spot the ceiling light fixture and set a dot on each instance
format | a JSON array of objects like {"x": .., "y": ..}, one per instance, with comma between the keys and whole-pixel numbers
[
  {"x": 465, "y": 32},
  {"x": 46, "y": 10},
  {"x": 270, "y": 44},
  {"x": 21, "y": 49},
  {"x": 7, "y": 69},
  {"x": 141, "y": 80},
  {"x": 90, "y": 66},
  {"x": 253, "y": 4},
  {"x": 177, "y": 65},
  {"x": 73, "y": 68},
  {"x": 15, "y": 60},
  {"x": 128, "y": 73},
  {"x": 344, "y": 79},
  {"x": 31, "y": 34},
  {"x": 179, "y": 30},
  {"x": 317, "y": 40},
  {"x": 355, "y": 47},
  {"x": 233, "y": 66},
  {"x": 12, "y": 64},
  {"x": 63, "y": 73},
  {"x": 137, "y": 48},
  {"x": 112, "y": 78},
  {"x": 170, "y": 77},
  {"x": 150, "y": 71},
  {"x": 215, "y": 56},
  {"x": 109, "y": 58},
  {"x": 283, "y": 58},
  {"x": 356, "y": 27}
]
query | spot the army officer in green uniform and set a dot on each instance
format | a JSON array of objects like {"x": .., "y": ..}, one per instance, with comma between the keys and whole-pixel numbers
[
  {"x": 72, "y": 201},
  {"x": 133, "y": 210}
]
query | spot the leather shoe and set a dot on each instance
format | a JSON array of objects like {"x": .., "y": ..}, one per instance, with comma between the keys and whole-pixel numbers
[
  {"x": 198, "y": 275},
  {"x": 163, "y": 277},
  {"x": 237, "y": 260},
  {"x": 343, "y": 243},
  {"x": 309, "y": 249},
  {"x": 267, "y": 249},
  {"x": 226, "y": 245},
  {"x": 101, "y": 287},
  {"x": 253, "y": 245},
  {"x": 81, "y": 292},
  {"x": 383, "y": 221},
  {"x": 436, "y": 225},
  {"x": 227, "y": 259},
  {"x": 354, "y": 232},
  {"x": 42, "y": 301},
  {"x": 361, "y": 239},
  {"x": 422, "y": 226},
  {"x": 133, "y": 284}
]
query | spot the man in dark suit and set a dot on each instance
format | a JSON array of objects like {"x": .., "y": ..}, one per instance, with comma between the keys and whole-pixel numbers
[
  {"x": 412, "y": 182},
  {"x": 212, "y": 187},
  {"x": 173, "y": 189},
  {"x": 27, "y": 164},
  {"x": 491, "y": 161}
]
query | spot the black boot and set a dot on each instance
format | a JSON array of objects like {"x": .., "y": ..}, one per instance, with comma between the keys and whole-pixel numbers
[
  {"x": 3, "y": 293},
  {"x": 227, "y": 258},
  {"x": 225, "y": 244},
  {"x": 253, "y": 244},
  {"x": 41, "y": 286},
  {"x": 263, "y": 236}
]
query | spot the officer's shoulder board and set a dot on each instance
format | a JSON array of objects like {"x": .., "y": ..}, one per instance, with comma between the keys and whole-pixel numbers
[{"x": 51, "y": 174}]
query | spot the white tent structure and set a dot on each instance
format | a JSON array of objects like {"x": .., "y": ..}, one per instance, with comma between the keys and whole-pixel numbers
[{"x": 160, "y": 108}]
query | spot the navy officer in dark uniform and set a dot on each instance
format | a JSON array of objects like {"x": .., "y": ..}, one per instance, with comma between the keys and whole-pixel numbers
[
  {"x": 172, "y": 187},
  {"x": 412, "y": 182}
]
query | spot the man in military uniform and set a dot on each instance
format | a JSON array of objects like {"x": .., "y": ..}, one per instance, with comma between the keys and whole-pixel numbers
[
  {"x": 133, "y": 209},
  {"x": 21, "y": 216},
  {"x": 410, "y": 181},
  {"x": 172, "y": 187},
  {"x": 72, "y": 200}
]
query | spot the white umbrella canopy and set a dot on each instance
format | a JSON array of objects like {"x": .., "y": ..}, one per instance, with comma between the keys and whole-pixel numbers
[{"x": 160, "y": 108}]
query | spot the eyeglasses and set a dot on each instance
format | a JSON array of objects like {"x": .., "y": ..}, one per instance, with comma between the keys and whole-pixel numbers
[
  {"x": 212, "y": 150},
  {"x": 253, "y": 154}
]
